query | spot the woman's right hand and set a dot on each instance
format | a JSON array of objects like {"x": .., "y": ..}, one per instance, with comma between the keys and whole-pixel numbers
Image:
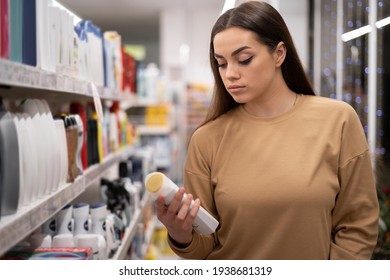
[{"x": 178, "y": 216}]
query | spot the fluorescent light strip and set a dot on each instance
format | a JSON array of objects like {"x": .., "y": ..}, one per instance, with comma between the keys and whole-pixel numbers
[
  {"x": 364, "y": 30},
  {"x": 76, "y": 18},
  {"x": 383, "y": 22},
  {"x": 356, "y": 33},
  {"x": 228, "y": 5}
]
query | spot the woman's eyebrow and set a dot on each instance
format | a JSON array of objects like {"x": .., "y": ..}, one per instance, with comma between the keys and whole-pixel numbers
[{"x": 234, "y": 52}]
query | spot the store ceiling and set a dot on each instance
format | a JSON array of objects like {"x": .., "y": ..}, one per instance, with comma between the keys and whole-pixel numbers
[{"x": 135, "y": 20}]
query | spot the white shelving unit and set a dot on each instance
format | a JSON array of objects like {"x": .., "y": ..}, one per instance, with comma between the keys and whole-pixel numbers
[
  {"x": 154, "y": 130},
  {"x": 21, "y": 75},
  {"x": 15, "y": 228},
  {"x": 15, "y": 76}
]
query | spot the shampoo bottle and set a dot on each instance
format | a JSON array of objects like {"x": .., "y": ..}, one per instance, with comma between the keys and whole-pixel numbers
[{"x": 158, "y": 184}]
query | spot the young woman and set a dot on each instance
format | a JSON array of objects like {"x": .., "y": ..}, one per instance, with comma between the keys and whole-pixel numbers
[{"x": 286, "y": 173}]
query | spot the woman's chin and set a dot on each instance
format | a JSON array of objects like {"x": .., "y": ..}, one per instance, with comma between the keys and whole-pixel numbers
[{"x": 240, "y": 99}]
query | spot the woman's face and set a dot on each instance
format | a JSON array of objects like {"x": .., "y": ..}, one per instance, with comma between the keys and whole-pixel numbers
[{"x": 246, "y": 66}]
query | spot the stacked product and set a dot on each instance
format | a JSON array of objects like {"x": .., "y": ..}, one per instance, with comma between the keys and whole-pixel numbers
[
  {"x": 42, "y": 33},
  {"x": 72, "y": 229},
  {"x": 33, "y": 166}
]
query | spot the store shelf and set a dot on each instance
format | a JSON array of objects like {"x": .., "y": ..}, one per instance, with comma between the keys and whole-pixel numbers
[
  {"x": 148, "y": 237},
  {"x": 154, "y": 129},
  {"x": 14, "y": 228},
  {"x": 15, "y": 74},
  {"x": 131, "y": 230},
  {"x": 135, "y": 101}
]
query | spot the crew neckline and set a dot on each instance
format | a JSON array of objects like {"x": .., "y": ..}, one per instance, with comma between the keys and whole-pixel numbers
[{"x": 264, "y": 120}]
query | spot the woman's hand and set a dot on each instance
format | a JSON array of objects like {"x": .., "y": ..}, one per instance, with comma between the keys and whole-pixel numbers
[{"x": 178, "y": 216}]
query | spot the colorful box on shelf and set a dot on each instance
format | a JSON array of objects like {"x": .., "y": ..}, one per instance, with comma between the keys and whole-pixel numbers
[
  {"x": 157, "y": 115},
  {"x": 31, "y": 253}
]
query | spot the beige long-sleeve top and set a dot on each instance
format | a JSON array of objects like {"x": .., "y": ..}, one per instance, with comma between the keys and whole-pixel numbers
[{"x": 296, "y": 186}]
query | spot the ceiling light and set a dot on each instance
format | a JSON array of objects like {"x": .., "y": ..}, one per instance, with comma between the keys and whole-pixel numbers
[
  {"x": 364, "y": 30},
  {"x": 383, "y": 22},
  {"x": 356, "y": 33},
  {"x": 228, "y": 5},
  {"x": 76, "y": 18}
]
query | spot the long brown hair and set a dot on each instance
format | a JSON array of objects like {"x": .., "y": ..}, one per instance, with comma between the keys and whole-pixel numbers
[{"x": 268, "y": 24}]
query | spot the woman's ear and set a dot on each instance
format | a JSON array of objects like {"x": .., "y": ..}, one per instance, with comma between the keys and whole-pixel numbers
[{"x": 280, "y": 53}]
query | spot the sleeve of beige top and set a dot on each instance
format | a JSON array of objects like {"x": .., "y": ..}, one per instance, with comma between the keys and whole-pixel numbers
[
  {"x": 199, "y": 248},
  {"x": 356, "y": 211},
  {"x": 197, "y": 181}
]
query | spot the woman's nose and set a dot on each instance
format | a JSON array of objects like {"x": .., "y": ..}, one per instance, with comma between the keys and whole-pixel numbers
[{"x": 232, "y": 72}]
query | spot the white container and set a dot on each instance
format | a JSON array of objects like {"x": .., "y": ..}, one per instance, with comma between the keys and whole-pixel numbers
[
  {"x": 89, "y": 241},
  {"x": 19, "y": 124},
  {"x": 50, "y": 227},
  {"x": 63, "y": 149},
  {"x": 41, "y": 240},
  {"x": 158, "y": 184},
  {"x": 48, "y": 132},
  {"x": 30, "y": 165},
  {"x": 98, "y": 221},
  {"x": 112, "y": 242},
  {"x": 63, "y": 240},
  {"x": 64, "y": 220},
  {"x": 38, "y": 127},
  {"x": 98, "y": 218},
  {"x": 55, "y": 154},
  {"x": 80, "y": 137},
  {"x": 9, "y": 164},
  {"x": 81, "y": 218}
]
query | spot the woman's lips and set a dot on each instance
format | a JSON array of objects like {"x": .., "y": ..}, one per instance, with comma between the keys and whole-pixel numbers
[{"x": 235, "y": 88}]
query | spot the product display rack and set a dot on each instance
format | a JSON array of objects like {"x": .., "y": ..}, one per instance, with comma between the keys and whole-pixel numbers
[
  {"x": 154, "y": 129},
  {"x": 131, "y": 230},
  {"x": 148, "y": 237},
  {"x": 15, "y": 228},
  {"x": 22, "y": 81},
  {"x": 14, "y": 74}
]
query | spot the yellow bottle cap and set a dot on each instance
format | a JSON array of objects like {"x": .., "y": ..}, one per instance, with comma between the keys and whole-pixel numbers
[{"x": 155, "y": 182}]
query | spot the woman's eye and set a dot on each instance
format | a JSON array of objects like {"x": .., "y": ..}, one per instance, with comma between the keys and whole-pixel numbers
[
  {"x": 221, "y": 65},
  {"x": 246, "y": 61}
]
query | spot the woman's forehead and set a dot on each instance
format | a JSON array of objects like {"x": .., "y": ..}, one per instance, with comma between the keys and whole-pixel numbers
[{"x": 233, "y": 38}]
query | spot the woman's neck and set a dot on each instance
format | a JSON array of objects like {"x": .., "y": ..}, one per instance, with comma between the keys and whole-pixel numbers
[{"x": 273, "y": 103}]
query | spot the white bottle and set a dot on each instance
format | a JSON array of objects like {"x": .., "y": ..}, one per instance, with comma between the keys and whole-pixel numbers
[
  {"x": 40, "y": 239},
  {"x": 98, "y": 221},
  {"x": 112, "y": 242},
  {"x": 64, "y": 236},
  {"x": 81, "y": 218},
  {"x": 151, "y": 81},
  {"x": 89, "y": 241},
  {"x": 65, "y": 221},
  {"x": 134, "y": 196},
  {"x": 80, "y": 138},
  {"x": 158, "y": 184},
  {"x": 50, "y": 226}
]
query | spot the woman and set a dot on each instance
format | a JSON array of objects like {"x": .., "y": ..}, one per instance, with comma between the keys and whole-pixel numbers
[{"x": 286, "y": 173}]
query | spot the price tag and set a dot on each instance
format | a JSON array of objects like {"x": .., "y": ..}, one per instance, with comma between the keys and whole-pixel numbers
[{"x": 97, "y": 102}]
